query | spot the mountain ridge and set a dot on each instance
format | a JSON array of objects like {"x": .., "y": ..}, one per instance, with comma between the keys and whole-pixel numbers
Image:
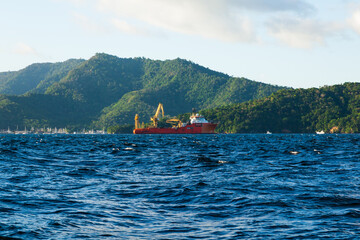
[
  {"x": 106, "y": 90},
  {"x": 35, "y": 77}
]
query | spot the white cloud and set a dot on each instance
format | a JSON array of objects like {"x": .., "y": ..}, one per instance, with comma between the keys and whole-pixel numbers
[
  {"x": 224, "y": 20},
  {"x": 24, "y": 49},
  {"x": 215, "y": 19},
  {"x": 302, "y": 33},
  {"x": 87, "y": 24},
  {"x": 354, "y": 21},
  {"x": 127, "y": 27},
  {"x": 299, "y": 6}
]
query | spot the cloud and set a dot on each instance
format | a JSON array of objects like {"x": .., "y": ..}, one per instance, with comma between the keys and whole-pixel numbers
[
  {"x": 214, "y": 19},
  {"x": 354, "y": 21},
  {"x": 24, "y": 49},
  {"x": 127, "y": 27},
  {"x": 87, "y": 24},
  {"x": 302, "y": 33},
  {"x": 298, "y": 6},
  {"x": 224, "y": 20}
]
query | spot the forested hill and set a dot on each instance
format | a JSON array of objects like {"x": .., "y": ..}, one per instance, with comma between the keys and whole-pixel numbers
[
  {"x": 334, "y": 109},
  {"x": 36, "y": 77},
  {"x": 106, "y": 90}
]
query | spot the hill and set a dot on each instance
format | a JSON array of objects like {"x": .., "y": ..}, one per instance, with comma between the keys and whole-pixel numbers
[
  {"x": 36, "y": 77},
  {"x": 39, "y": 110},
  {"x": 106, "y": 90},
  {"x": 180, "y": 85},
  {"x": 331, "y": 109}
]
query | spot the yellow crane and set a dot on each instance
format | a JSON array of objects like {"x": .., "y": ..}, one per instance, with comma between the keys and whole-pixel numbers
[
  {"x": 175, "y": 122},
  {"x": 137, "y": 124},
  {"x": 155, "y": 118},
  {"x": 160, "y": 110}
]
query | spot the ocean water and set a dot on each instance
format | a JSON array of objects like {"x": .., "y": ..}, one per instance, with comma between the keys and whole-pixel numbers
[{"x": 180, "y": 186}]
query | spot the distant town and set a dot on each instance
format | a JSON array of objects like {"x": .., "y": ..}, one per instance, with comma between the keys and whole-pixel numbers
[{"x": 50, "y": 131}]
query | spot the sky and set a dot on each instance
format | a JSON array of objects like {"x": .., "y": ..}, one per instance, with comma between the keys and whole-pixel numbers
[{"x": 293, "y": 43}]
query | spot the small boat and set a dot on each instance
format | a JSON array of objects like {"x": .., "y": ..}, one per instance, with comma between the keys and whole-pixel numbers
[{"x": 320, "y": 132}]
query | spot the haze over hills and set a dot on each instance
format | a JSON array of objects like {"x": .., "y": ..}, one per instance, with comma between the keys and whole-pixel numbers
[{"x": 106, "y": 90}]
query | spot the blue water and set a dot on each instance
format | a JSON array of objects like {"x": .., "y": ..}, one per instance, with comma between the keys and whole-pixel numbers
[{"x": 180, "y": 186}]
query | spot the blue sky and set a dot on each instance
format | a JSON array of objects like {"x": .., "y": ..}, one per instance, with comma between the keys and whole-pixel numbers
[{"x": 295, "y": 43}]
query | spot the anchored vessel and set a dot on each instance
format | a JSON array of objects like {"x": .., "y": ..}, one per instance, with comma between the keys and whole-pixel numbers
[{"x": 197, "y": 124}]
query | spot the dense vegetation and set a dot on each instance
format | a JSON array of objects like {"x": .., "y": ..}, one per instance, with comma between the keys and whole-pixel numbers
[
  {"x": 36, "y": 77},
  {"x": 39, "y": 110},
  {"x": 106, "y": 91},
  {"x": 180, "y": 85},
  {"x": 331, "y": 109}
]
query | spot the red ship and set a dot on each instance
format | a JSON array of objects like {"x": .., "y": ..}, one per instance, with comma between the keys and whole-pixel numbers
[{"x": 197, "y": 124}]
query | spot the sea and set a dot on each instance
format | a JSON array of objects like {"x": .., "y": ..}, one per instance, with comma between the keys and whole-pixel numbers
[{"x": 221, "y": 186}]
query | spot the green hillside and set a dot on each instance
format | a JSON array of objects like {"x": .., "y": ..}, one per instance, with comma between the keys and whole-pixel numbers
[
  {"x": 36, "y": 77},
  {"x": 331, "y": 109},
  {"x": 99, "y": 82},
  {"x": 38, "y": 110},
  {"x": 106, "y": 90},
  {"x": 180, "y": 85}
]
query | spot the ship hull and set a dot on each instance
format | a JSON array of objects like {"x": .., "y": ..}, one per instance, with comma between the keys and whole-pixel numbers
[{"x": 195, "y": 128}]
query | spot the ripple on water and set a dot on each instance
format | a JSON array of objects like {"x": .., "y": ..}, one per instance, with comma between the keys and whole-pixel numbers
[{"x": 179, "y": 187}]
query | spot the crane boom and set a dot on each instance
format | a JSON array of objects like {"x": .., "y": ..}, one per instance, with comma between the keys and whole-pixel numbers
[
  {"x": 174, "y": 121},
  {"x": 160, "y": 108},
  {"x": 137, "y": 125},
  {"x": 155, "y": 118}
]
